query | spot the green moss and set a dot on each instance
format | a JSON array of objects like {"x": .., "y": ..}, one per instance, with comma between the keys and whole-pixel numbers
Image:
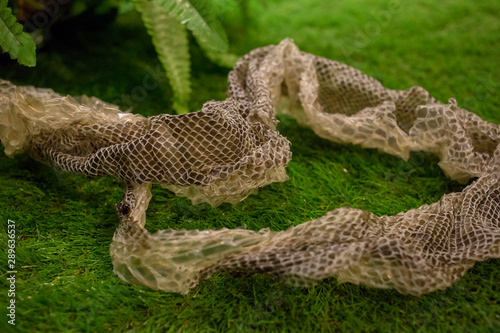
[{"x": 66, "y": 222}]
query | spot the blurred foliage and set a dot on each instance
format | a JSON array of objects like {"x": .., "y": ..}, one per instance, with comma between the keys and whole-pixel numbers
[
  {"x": 13, "y": 40},
  {"x": 167, "y": 22}
]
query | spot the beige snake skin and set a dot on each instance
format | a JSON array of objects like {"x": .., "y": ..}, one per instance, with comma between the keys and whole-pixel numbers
[{"x": 229, "y": 149}]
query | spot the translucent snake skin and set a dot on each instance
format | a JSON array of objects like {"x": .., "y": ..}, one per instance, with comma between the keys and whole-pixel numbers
[{"x": 229, "y": 149}]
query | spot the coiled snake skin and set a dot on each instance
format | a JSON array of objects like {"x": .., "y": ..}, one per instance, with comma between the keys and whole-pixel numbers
[{"x": 229, "y": 149}]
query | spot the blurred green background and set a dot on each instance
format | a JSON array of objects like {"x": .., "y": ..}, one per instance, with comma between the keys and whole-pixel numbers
[{"x": 66, "y": 222}]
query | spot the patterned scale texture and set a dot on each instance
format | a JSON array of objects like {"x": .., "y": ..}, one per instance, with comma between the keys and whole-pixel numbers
[{"x": 229, "y": 149}]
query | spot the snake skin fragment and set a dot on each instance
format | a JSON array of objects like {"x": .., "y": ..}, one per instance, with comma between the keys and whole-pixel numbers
[{"x": 229, "y": 149}]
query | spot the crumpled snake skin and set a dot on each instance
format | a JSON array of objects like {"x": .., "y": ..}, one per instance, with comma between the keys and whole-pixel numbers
[{"x": 229, "y": 149}]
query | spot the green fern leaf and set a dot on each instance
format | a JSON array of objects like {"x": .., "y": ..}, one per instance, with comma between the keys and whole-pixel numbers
[
  {"x": 223, "y": 59},
  {"x": 171, "y": 43},
  {"x": 199, "y": 18},
  {"x": 13, "y": 40}
]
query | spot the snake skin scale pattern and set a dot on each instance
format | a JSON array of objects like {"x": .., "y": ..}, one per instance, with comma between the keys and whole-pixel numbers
[{"x": 229, "y": 149}]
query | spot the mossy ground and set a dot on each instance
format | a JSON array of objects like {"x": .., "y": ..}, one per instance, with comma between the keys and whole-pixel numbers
[{"x": 65, "y": 222}]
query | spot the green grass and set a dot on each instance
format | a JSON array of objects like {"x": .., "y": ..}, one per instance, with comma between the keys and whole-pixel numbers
[{"x": 65, "y": 222}]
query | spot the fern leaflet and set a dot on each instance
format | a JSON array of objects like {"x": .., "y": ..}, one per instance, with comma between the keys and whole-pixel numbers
[
  {"x": 13, "y": 40},
  {"x": 171, "y": 43},
  {"x": 199, "y": 18}
]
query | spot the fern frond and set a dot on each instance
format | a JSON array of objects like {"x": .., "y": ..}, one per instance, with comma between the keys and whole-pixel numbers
[
  {"x": 171, "y": 43},
  {"x": 223, "y": 59},
  {"x": 199, "y": 18},
  {"x": 13, "y": 40}
]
